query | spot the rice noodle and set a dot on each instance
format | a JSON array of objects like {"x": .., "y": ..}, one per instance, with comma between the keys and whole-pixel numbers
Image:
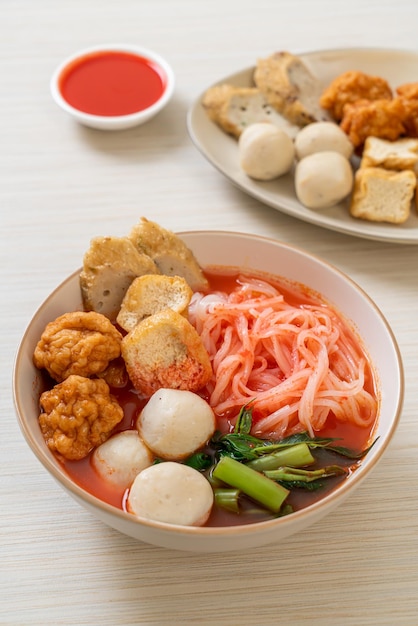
[{"x": 295, "y": 364}]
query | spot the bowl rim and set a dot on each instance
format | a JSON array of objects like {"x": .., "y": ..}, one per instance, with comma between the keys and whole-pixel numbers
[
  {"x": 49, "y": 462},
  {"x": 90, "y": 118}
]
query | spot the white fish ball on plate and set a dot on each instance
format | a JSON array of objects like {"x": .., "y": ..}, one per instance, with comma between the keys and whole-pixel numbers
[
  {"x": 323, "y": 179},
  {"x": 265, "y": 151},
  {"x": 119, "y": 459},
  {"x": 173, "y": 493},
  {"x": 175, "y": 423},
  {"x": 322, "y": 137}
]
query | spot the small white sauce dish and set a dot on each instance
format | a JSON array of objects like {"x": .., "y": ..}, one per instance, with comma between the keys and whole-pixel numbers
[{"x": 154, "y": 87}]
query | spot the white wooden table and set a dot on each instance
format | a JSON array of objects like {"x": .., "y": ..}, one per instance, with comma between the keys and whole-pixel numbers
[{"x": 60, "y": 185}]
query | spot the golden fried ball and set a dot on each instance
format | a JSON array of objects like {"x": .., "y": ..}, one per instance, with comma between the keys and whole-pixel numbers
[
  {"x": 373, "y": 118},
  {"x": 77, "y": 343},
  {"x": 408, "y": 91},
  {"x": 350, "y": 87},
  {"x": 78, "y": 415},
  {"x": 410, "y": 119}
]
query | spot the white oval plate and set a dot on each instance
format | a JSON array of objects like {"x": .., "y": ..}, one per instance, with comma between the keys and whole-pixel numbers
[{"x": 396, "y": 66}]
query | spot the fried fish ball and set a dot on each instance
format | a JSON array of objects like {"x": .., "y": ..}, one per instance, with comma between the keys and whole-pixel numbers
[
  {"x": 410, "y": 120},
  {"x": 409, "y": 91},
  {"x": 408, "y": 94},
  {"x": 77, "y": 343},
  {"x": 373, "y": 118},
  {"x": 350, "y": 87},
  {"x": 78, "y": 415}
]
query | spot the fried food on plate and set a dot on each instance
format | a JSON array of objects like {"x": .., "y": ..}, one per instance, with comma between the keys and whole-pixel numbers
[
  {"x": 381, "y": 195},
  {"x": 410, "y": 120},
  {"x": 236, "y": 108},
  {"x": 393, "y": 155},
  {"x": 377, "y": 118},
  {"x": 350, "y": 87},
  {"x": 408, "y": 91},
  {"x": 290, "y": 88}
]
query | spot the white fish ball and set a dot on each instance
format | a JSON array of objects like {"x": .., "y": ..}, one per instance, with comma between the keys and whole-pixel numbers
[
  {"x": 265, "y": 151},
  {"x": 173, "y": 493},
  {"x": 322, "y": 137},
  {"x": 323, "y": 179},
  {"x": 175, "y": 423},
  {"x": 119, "y": 459}
]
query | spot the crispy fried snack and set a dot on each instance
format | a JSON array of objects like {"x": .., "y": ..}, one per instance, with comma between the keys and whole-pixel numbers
[
  {"x": 290, "y": 88},
  {"x": 77, "y": 343},
  {"x": 78, "y": 415},
  {"x": 109, "y": 267},
  {"x": 373, "y": 118},
  {"x": 164, "y": 350},
  {"x": 350, "y": 87},
  {"x": 410, "y": 120},
  {"x": 408, "y": 91},
  {"x": 169, "y": 252}
]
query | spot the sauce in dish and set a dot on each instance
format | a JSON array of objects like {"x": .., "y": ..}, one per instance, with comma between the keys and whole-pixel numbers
[{"x": 112, "y": 83}]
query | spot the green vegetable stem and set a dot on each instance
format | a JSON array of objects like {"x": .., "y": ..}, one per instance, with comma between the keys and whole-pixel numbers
[
  {"x": 227, "y": 498},
  {"x": 255, "y": 485},
  {"x": 298, "y": 455}
]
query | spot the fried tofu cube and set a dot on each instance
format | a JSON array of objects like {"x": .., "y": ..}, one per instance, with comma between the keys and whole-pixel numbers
[
  {"x": 382, "y": 195},
  {"x": 152, "y": 293},
  {"x": 164, "y": 350}
]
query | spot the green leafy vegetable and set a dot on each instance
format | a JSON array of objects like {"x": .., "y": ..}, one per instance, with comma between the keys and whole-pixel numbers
[
  {"x": 238, "y": 446},
  {"x": 291, "y": 477},
  {"x": 239, "y": 464},
  {"x": 327, "y": 443},
  {"x": 244, "y": 421},
  {"x": 199, "y": 461}
]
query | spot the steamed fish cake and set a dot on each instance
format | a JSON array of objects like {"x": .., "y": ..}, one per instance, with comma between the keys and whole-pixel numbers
[
  {"x": 172, "y": 493},
  {"x": 265, "y": 151},
  {"x": 176, "y": 423},
  {"x": 121, "y": 458}
]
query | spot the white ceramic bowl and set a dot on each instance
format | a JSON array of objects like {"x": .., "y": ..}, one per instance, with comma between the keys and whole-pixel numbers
[
  {"x": 114, "y": 122},
  {"x": 243, "y": 250}
]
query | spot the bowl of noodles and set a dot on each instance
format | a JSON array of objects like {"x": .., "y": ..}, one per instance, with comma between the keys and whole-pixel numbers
[{"x": 300, "y": 357}]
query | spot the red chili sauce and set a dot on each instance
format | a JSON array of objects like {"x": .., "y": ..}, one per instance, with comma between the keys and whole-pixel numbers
[
  {"x": 347, "y": 434},
  {"x": 112, "y": 83}
]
